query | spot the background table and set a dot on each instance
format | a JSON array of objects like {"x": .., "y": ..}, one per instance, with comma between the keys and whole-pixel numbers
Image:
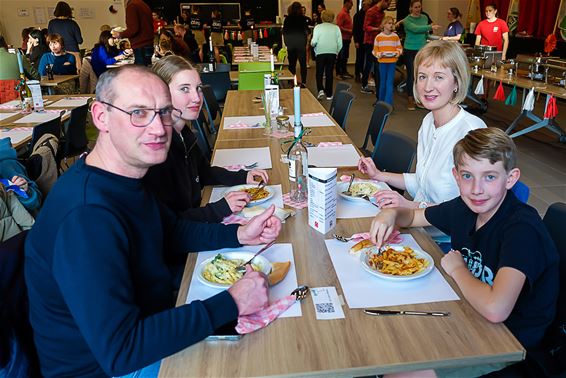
[{"x": 57, "y": 80}]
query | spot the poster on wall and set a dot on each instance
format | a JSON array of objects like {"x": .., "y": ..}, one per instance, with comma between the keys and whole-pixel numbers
[
  {"x": 560, "y": 29},
  {"x": 474, "y": 15},
  {"x": 23, "y": 12},
  {"x": 513, "y": 16},
  {"x": 40, "y": 15},
  {"x": 86, "y": 13}
]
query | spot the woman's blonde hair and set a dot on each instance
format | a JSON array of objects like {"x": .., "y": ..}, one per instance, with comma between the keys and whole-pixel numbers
[
  {"x": 167, "y": 67},
  {"x": 448, "y": 55},
  {"x": 327, "y": 16}
]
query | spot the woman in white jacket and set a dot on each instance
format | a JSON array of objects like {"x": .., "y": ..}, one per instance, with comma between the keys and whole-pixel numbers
[
  {"x": 327, "y": 43},
  {"x": 442, "y": 79}
]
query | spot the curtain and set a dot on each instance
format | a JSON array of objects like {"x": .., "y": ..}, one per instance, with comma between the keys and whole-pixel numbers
[{"x": 537, "y": 17}]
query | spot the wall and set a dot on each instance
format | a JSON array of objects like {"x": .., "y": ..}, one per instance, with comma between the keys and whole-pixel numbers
[{"x": 89, "y": 14}]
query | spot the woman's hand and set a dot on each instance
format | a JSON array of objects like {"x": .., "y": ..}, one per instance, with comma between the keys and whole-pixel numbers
[
  {"x": 237, "y": 200},
  {"x": 250, "y": 179},
  {"x": 452, "y": 262},
  {"x": 387, "y": 199},
  {"x": 367, "y": 167},
  {"x": 21, "y": 182}
]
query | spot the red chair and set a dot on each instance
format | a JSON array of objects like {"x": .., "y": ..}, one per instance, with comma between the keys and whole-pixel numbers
[{"x": 8, "y": 90}]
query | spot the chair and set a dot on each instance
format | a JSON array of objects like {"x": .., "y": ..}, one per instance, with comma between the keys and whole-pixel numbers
[
  {"x": 211, "y": 107},
  {"x": 14, "y": 320},
  {"x": 251, "y": 80},
  {"x": 50, "y": 127},
  {"x": 521, "y": 191},
  {"x": 74, "y": 140},
  {"x": 222, "y": 67},
  {"x": 381, "y": 112},
  {"x": 342, "y": 109},
  {"x": 340, "y": 86},
  {"x": 394, "y": 152},
  {"x": 219, "y": 81},
  {"x": 223, "y": 59},
  {"x": 202, "y": 138}
]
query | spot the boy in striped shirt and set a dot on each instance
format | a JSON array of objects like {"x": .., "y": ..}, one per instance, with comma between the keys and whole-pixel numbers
[{"x": 387, "y": 49}]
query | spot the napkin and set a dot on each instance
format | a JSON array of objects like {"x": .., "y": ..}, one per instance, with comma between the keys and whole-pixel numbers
[
  {"x": 297, "y": 205},
  {"x": 262, "y": 318},
  {"x": 235, "y": 219},
  {"x": 394, "y": 238},
  {"x": 235, "y": 167},
  {"x": 243, "y": 125}
]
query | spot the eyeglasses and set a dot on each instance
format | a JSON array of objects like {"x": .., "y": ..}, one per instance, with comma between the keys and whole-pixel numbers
[{"x": 143, "y": 117}]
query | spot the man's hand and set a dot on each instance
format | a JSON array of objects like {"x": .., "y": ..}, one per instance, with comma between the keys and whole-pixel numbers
[
  {"x": 367, "y": 167},
  {"x": 262, "y": 173},
  {"x": 21, "y": 182},
  {"x": 250, "y": 292},
  {"x": 261, "y": 229},
  {"x": 452, "y": 262},
  {"x": 237, "y": 200},
  {"x": 382, "y": 226},
  {"x": 390, "y": 198}
]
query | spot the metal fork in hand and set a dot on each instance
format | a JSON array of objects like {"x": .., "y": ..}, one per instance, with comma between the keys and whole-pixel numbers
[
  {"x": 347, "y": 192},
  {"x": 367, "y": 198},
  {"x": 257, "y": 190},
  {"x": 250, "y": 166},
  {"x": 242, "y": 268},
  {"x": 301, "y": 292},
  {"x": 341, "y": 238}
]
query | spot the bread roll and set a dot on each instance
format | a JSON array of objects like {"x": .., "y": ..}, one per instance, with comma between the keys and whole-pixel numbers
[
  {"x": 361, "y": 246},
  {"x": 278, "y": 272}
]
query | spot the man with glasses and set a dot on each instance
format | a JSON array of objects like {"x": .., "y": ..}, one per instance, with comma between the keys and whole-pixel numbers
[{"x": 101, "y": 297}]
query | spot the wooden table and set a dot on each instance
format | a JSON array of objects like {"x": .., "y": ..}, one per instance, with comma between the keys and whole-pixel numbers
[
  {"x": 8, "y": 123},
  {"x": 241, "y": 103},
  {"x": 526, "y": 84},
  {"x": 57, "y": 80},
  {"x": 355, "y": 346}
]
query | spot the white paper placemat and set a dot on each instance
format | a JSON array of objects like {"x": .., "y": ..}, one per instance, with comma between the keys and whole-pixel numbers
[
  {"x": 278, "y": 252},
  {"x": 246, "y": 156},
  {"x": 356, "y": 209},
  {"x": 38, "y": 117},
  {"x": 17, "y": 134},
  {"x": 277, "y": 199},
  {"x": 243, "y": 122},
  {"x": 363, "y": 289},
  {"x": 14, "y": 104},
  {"x": 313, "y": 120},
  {"x": 69, "y": 103},
  {"x": 4, "y": 116},
  {"x": 333, "y": 156}
]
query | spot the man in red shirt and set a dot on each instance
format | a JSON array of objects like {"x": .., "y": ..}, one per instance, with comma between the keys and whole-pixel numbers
[
  {"x": 345, "y": 23},
  {"x": 139, "y": 30},
  {"x": 372, "y": 27}
]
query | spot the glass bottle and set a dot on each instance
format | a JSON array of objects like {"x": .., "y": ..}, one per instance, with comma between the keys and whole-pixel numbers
[
  {"x": 25, "y": 95},
  {"x": 298, "y": 166}
]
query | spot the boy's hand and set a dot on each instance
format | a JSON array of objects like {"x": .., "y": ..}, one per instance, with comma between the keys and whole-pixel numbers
[
  {"x": 21, "y": 182},
  {"x": 382, "y": 226},
  {"x": 452, "y": 262}
]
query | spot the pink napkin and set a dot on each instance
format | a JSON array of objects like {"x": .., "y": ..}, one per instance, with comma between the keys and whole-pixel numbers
[
  {"x": 235, "y": 219},
  {"x": 281, "y": 134},
  {"x": 330, "y": 144},
  {"x": 11, "y": 106},
  {"x": 235, "y": 167},
  {"x": 394, "y": 238},
  {"x": 296, "y": 205},
  {"x": 243, "y": 125},
  {"x": 20, "y": 129},
  {"x": 262, "y": 318}
]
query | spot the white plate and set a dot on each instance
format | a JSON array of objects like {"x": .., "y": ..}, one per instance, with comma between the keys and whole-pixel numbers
[
  {"x": 388, "y": 54},
  {"x": 343, "y": 186},
  {"x": 430, "y": 266},
  {"x": 251, "y": 186},
  {"x": 260, "y": 261}
]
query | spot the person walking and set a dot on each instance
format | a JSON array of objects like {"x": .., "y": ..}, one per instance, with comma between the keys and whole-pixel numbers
[
  {"x": 358, "y": 35},
  {"x": 139, "y": 30},
  {"x": 372, "y": 27},
  {"x": 327, "y": 42},
  {"x": 346, "y": 25},
  {"x": 64, "y": 25},
  {"x": 295, "y": 31}
]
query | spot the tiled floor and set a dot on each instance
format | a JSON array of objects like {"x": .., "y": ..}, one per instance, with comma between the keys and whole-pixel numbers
[{"x": 542, "y": 158}]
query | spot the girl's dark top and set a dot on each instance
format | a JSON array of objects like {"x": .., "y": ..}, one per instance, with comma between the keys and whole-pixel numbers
[
  {"x": 295, "y": 31},
  {"x": 178, "y": 181},
  {"x": 36, "y": 53}
]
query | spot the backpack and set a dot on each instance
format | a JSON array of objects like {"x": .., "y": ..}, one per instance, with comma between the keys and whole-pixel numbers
[{"x": 42, "y": 164}]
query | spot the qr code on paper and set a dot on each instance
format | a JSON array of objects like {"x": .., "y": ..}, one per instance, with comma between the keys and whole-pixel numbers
[{"x": 324, "y": 308}]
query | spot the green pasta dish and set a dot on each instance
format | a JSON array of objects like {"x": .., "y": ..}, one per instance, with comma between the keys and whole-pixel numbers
[{"x": 223, "y": 271}]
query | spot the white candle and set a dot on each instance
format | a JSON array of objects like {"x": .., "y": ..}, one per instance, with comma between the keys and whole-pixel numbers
[
  {"x": 297, "y": 102},
  {"x": 210, "y": 43},
  {"x": 272, "y": 63}
]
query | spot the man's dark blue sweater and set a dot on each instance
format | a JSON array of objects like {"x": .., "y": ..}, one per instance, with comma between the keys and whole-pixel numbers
[{"x": 100, "y": 293}]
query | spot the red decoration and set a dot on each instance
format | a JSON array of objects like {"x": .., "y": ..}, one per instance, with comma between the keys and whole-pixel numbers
[
  {"x": 551, "y": 108},
  {"x": 550, "y": 44},
  {"x": 499, "y": 93}
]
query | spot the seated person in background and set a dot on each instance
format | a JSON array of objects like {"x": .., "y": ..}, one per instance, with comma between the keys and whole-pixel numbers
[
  {"x": 503, "y": 259},
  {"x": 13, "y": 170},
  {"x": 104, "y": 53},
  {"x": 9, "y": 68},
  {"x": 178, "y": 182},
  {"x": 163, "y": 50},
  {"x": 178, "y": 46},
  {"x": 63, "y": 62},
  {"x": 100, "y": 295},
  {"x": 36, "y": 47},
  {"x": 189, "y": 38},
  {"x": 442, "y": 79}
]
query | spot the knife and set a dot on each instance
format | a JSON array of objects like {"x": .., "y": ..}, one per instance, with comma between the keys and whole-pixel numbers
[{"x": 393, "y": 312}]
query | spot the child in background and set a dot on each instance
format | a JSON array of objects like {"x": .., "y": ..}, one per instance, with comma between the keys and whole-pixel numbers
[
  {"x": 503, "y": 259},
  {"x": 62, "y": 61},
  {"x": 387, "y": 49}
]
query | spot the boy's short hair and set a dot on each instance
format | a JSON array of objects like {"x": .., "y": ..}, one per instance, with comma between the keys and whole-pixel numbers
[
  {"x": 386, "y": 19},
  {"x": 488, "y": 143},
  {"x": 449, "y": 55},
  {"x": 56, "y": 38}
]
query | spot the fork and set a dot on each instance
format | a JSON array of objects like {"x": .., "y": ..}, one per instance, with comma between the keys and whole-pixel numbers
[
  {"x": 367, "y": 198},
  {"x": 347, "y": 192},
  {"x": 257, "y": 189},
  {"x": 250, "y": 166},
  {"x": 341, "y": 238},
  {"x": 242, "y": 267}
]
